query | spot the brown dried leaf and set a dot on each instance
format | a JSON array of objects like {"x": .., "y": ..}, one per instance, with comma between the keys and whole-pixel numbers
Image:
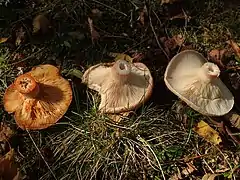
[
  {"x": 142, "y": 15},
  {"x": 216, "y": 56},
  {"x": 179, "y": 39},
  {"x": 94, "y": 34},
  {"x": 208, "y": 133},
  {"x": 40, "y": 23},
  {"x": 5, "y": 132},
  {"x": 8, "y": 170},
  {"x": 235, "y": 47},
  {"x": 234, "y": 118},
  {"x": 185, "y": 172},
  {"x": 20, "y": 36},
  {"x": 172, "y": 43}
]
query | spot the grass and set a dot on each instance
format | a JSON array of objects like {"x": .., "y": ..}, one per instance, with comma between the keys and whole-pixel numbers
[{"x": 156, "y": 141}]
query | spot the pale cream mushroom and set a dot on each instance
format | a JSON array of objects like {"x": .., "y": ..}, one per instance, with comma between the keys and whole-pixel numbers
[
  {"x": 197, "y": 82},
  {"x": 123, "y": 86}
]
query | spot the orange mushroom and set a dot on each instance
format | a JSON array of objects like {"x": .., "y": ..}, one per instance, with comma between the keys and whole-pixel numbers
[{"x": 38, "y": 98}]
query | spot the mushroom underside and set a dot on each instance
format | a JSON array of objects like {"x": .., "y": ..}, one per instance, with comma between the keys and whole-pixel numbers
[
  {"x": 212, "y": 98},
  {"x": 47, "y": 107},
  {"x": 119, "y": 97}
]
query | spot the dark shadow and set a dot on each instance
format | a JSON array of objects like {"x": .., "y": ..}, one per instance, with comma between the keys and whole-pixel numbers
[{"x": 49, "y": 93}]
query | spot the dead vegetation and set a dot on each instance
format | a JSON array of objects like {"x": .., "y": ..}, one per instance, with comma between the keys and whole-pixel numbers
[{"x": 164, "y": 138}]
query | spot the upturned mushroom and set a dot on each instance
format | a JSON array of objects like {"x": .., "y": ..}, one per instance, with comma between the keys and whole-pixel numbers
[
  {"x": 196, "y": 82},
  {"x": 38, "y": 98},
  {"x": 123, "y": 86}
]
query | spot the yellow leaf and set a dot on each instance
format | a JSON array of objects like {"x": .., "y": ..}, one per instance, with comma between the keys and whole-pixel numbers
[
  {"x": 122, "y": 56},
  {"x": 40, "y": 22},
  {"x": 208, "y": 133},
  {"x": 3, "y": 40}
]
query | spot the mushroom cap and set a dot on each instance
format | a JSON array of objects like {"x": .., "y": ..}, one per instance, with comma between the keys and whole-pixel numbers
[
  {"x": 123, "y": 86},
  {"x": 196, "y": 82},
  {"x": 49, "y": 103}
]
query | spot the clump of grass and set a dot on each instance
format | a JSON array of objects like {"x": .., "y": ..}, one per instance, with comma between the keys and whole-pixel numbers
[{"x": 93, "y": 147}]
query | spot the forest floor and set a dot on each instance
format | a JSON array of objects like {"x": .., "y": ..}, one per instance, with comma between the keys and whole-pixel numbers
[{"x": 155, "y": 142}]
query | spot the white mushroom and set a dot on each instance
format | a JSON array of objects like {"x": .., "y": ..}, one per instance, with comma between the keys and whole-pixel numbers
[
  {"x": 123, "y": 86},
  {"x": 197, "y": 82}
]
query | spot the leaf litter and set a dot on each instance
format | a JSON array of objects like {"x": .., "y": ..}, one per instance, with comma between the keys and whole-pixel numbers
[
  {"x": 170, "y": 45},
  {"x": 207, "y": 132}
]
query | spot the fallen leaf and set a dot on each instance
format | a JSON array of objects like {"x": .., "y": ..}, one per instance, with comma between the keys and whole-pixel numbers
[
  {"x": 3, "y": 40},
  {"x": 235, "y": 47},
  {"x": 20, "y": 36},
  {"x": 8, "y": 170},
  {"x": 179, "y": 39},
  {"x": 122, "y": 56},
  {"x": 209, "y": 176},
  {"x": 94, "y": 34},
  {"x": 234, "y": 118},
  {"x": 172, "y": 43},
  {"x": 40, "y": 23},
  {"x": 185, "y": 172},
  {"x": 189, "y": 169},
  {"x": 5, "y": 132},
  {"x": 216, "y": 56},
  {"x": 137, "y": 57},
  {"x": 208, "y": 133},
  {"x": 142, "y": 15}
]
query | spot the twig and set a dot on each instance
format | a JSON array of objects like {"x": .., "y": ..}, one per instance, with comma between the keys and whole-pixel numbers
[
  {"x": 155, "y": 35},
  {"x": 159, "y": 164},
  {"x": 41, "y": 155},
  {"x": 27, "y": 58},
  {"x": 110, "y": 7}
]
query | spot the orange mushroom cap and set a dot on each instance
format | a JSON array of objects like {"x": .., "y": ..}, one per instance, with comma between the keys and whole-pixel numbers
[{"x": 38, "y": 98}]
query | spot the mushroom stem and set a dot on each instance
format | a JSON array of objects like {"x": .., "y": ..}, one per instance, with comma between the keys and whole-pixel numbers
[
  {"x": 209, "y": 71},
  {"x": 121, "y": 70},
  {"x": 27, "y": 86}
]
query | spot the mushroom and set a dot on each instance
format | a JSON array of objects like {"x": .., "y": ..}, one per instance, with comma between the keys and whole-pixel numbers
[
  {"x": 123, "y": 86},
  {"x": 38, "y": 98},
  {"x": 196, "y": 82}
]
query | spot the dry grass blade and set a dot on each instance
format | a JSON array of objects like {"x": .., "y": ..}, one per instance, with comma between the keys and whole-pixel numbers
[{"x": 94, "y": 34}]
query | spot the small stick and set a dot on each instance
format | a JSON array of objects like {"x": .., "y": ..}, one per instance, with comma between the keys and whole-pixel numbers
[{"x": 41, "y": 155}]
